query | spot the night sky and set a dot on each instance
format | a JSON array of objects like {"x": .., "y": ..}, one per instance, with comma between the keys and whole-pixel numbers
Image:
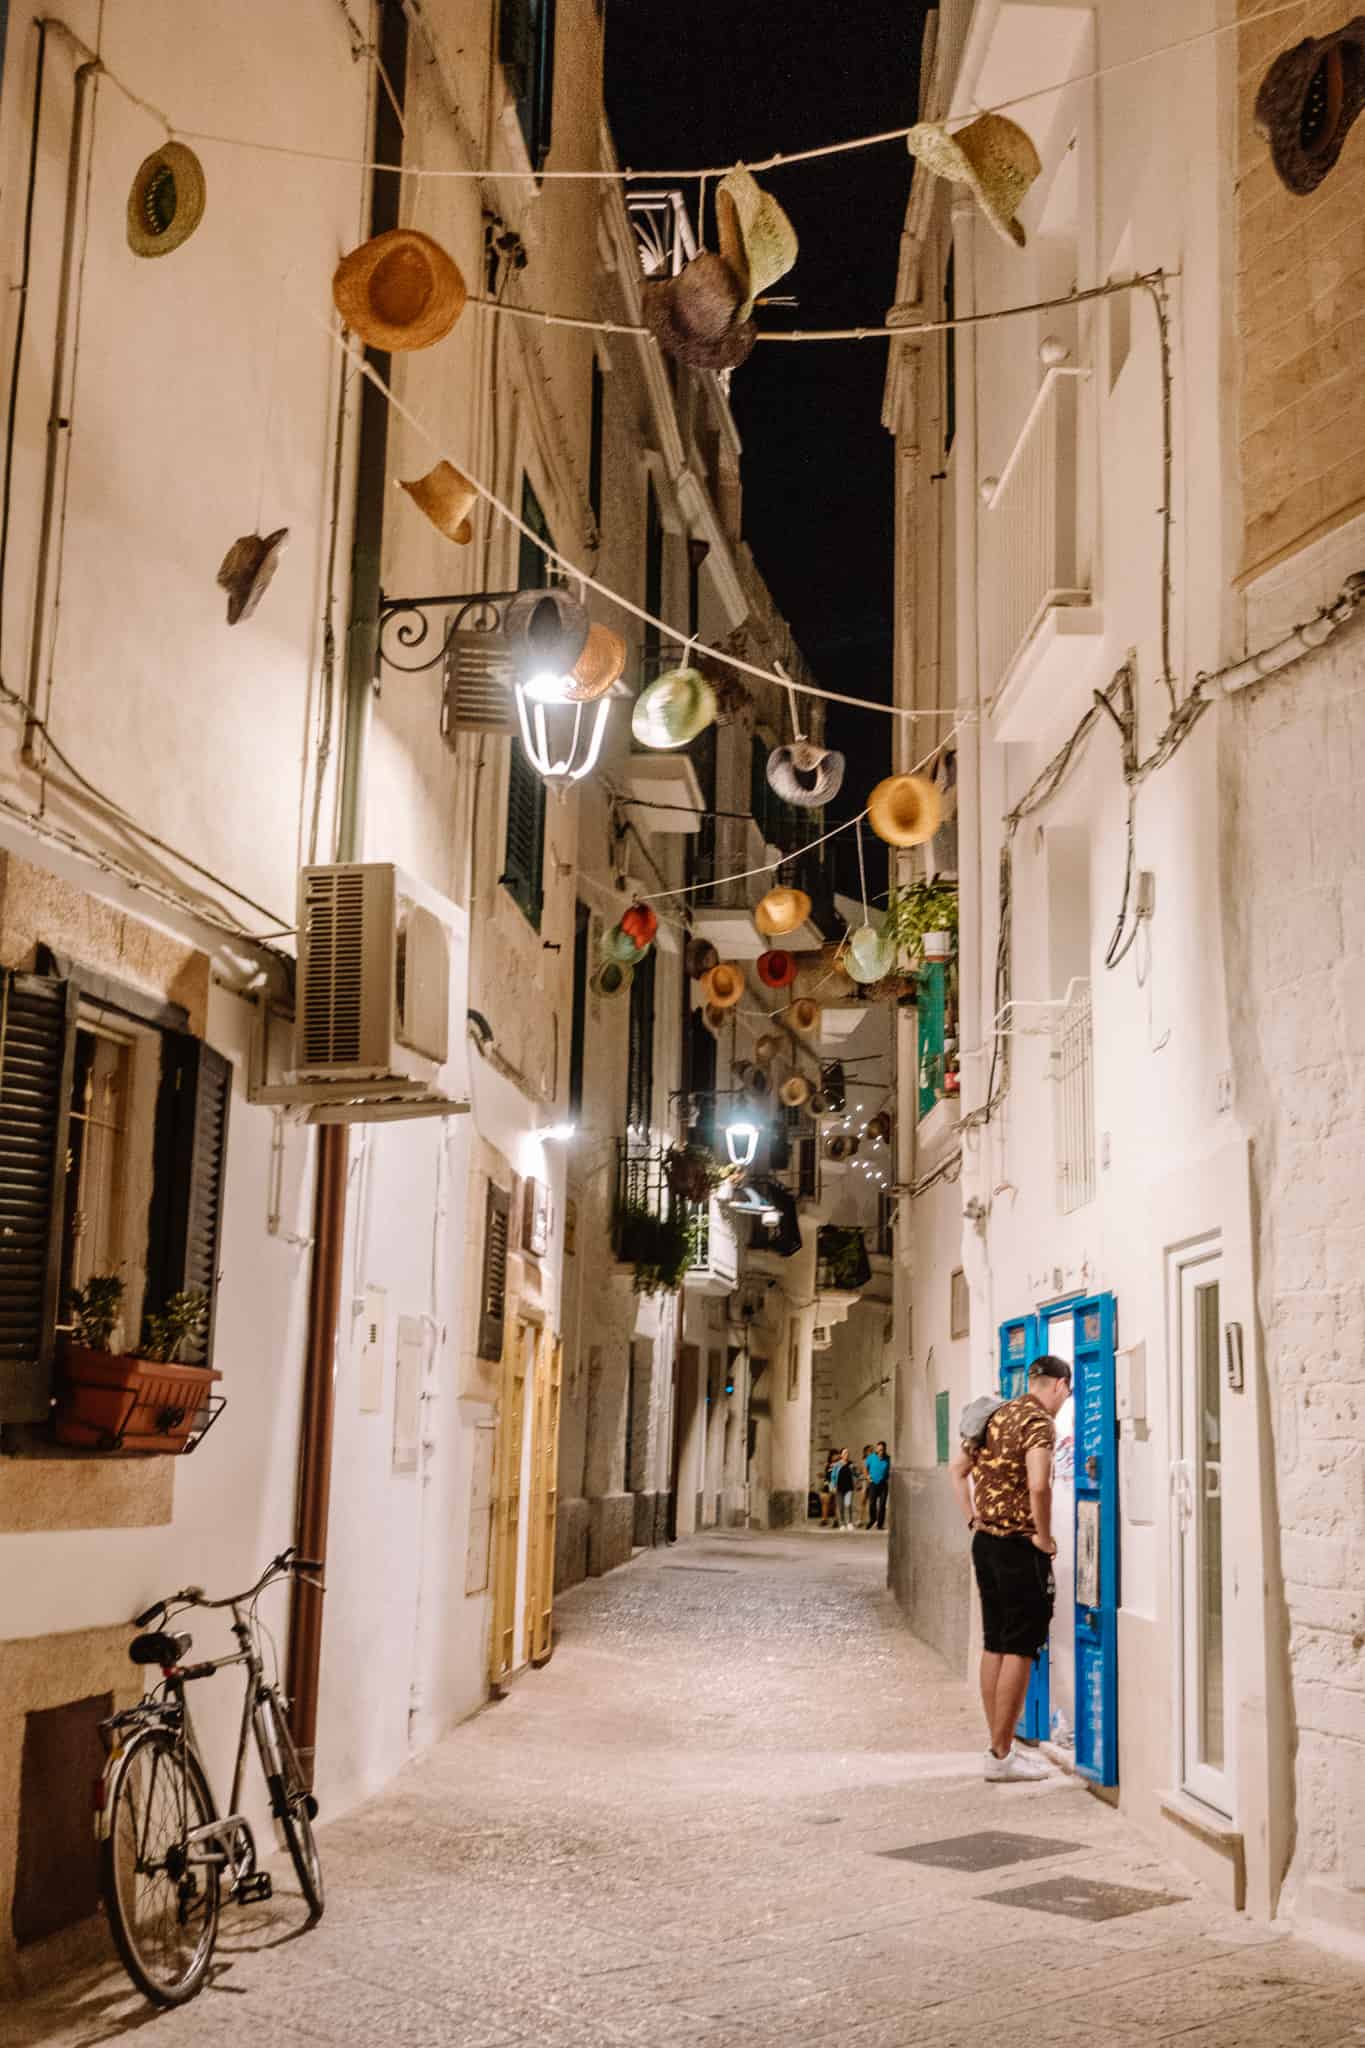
[{"x": 702, "y": 82}]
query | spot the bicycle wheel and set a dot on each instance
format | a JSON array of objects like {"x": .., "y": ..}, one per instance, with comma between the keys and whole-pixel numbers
[
  {"x": 291, "y": 1802},
  {"x": 162, "y": 1906}
]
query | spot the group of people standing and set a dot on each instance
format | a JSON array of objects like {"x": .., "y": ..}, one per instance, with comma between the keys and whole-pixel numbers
[{"x": 853, "y": 1495}]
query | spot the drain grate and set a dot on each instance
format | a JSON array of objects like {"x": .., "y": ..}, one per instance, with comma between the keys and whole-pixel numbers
[
  {"x": 991, "y": 1849},
  {"x": 1083, "y": 1898}
]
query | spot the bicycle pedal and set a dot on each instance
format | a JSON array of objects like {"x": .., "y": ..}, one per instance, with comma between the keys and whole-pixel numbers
[{"x": 254, "y": 1890}]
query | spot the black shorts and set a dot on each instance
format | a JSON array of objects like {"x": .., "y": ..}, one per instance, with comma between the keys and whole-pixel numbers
[{"x": 1017, "y": 1590}]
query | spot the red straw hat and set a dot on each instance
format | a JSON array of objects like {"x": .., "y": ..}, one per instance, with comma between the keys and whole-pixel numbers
[{"x": 776, "y": 969}]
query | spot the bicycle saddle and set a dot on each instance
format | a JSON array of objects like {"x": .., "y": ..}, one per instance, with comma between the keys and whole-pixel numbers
[{"x": 158, "y": 1648}]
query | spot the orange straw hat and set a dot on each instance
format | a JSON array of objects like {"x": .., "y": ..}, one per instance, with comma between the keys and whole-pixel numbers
[
  {"x": 795, "y": 1091},
  {"x": 447, "y": 498},
  {"x": 399, "y": 290},
  {"x": 781, "y": 911},
  {"x": 905, "y": 810},
  {"x": 597, "y": 667},
  {"x": 724, "y": 985},
  {"x": 803, "y": 1017}
]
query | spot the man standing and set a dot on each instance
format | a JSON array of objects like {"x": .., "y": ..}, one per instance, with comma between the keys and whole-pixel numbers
[
  {"x": 878, "y": 1485},
  {"x": 1003, "y": 1483}
]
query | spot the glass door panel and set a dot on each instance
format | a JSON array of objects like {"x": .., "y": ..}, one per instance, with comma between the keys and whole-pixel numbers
[{"x": 1199, "y": 1502}]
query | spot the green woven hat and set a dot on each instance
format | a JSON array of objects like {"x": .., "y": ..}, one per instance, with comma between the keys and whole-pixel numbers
[
  {"x": 870, "y": 954},
  {"x": 674, "y": 709},
  {"x": 756, "y": 238}
]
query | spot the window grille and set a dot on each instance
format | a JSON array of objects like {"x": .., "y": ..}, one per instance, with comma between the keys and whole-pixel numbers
[{"x": 1073, "y": 1072}]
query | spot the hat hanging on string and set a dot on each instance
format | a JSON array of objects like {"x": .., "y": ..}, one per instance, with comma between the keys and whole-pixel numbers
[
  {"x": 611, "y": 978},
  {"x": 715, "y": 1016},
  {"x": 673, "y": 709},
  {"x": 877, "y": 1128},
  {"x": 724, "y": 985},
  {"x": 598, "y": 667},
  {"x": 399, "y": 291},
  {"x": 776, "y": 969},
  {"x": 803, "y": 774},
  {"x": 165, "y": 201},
  {"x": 870, "y": 953},
  {"x": 766, "y": 1048},
  {"x": 545, "y": 629},
  {"x": 248, "y": 569},
  {"x": 757, "y": 240},
  {"x": 699, "y": 958},
  {"x": 842, "y": 1145},
  {"x": 819, "y": 1104},
  {"x": 794, "y": 1092},
  {"x": 695, "y": 316},
  {"x": 905, "y": 810},
  {"x": 781, "y": 912},
  {"x": 802, "y": 1017},
  {"x": 1308, "y": 101},
  {"x": 618, "y": 944},
  {"x": 992, "y": 155},
  {"x": 759, "y": 1086},
  {"x": 641, "y": 923},
  {"x": 447, "y": 497}
]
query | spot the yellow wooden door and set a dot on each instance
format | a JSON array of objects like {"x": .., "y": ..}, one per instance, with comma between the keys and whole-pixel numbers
[
  {"x": 540, "y": 1578},
  {"x": 517, "y": 1355}
]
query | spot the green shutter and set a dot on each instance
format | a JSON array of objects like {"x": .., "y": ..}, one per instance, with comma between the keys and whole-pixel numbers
[
  {"x": 185, "y": 1222},
  {"x": 941, "y": 1425},
  {"x": 933, "y": 983},
  {"x": 640, "y": 1071},
  {"x": 37, "y": 1046},
  {"x": 524, "y": 867}
]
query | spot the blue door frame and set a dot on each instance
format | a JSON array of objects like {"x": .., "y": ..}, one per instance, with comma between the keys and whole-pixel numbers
[{"x": 1022, "y": 1339}]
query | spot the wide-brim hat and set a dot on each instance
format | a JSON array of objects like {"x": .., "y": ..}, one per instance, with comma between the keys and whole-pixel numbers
[
  {"x": 165, "y": 200},
  {"x": 695, "y": 316},
  {"x": 1308, "y": 101},
  {"x": 714, "y": 1017},
  {"x": 878, "y": 1126},
  {"x": 819, "y": 1104},
  {"x": 802, "y": 1017},
  {"x": 399, "y": 291},
  {"x": 767, "y": 1047},
  {"x": 794, "y": 1092},
  {"x": 247, "y": 570},
  {"x": 700, "y": 957},
  {"x": 781, "y": 912},
  {"x": 724, "y": 985},
  {"x": 644, "y": 924},
  {"x": 619, "y": 945},
  {"x": 759, "y": 1085},
  {"x": 599, "y": 666},
  {"x": 841, "y": 1146},
  {"x": 545, "y": 629},
  {"x": 805, "y": 774},
  {"x": 612, "y": 978},
  {"x": 673, "y": 709},
  {"x": 776, "y": 969},
  {"x": 870, "y": 954},
  {"x": 757, "y": 240},
  {"x": 993, "y": 155},
  {"x": 905, "y": 810},
  {"x": 447, "y": 498}
]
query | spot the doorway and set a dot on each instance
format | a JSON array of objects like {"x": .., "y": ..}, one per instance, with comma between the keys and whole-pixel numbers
[
  {"x": 1206, "y": 1765},
  {"x": 511, "y": 1480},
  {"x": 544, "y": 1502}
]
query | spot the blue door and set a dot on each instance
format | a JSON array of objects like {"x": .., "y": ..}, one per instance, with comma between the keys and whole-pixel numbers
[
  {"x": 1097, "y": 1542},
  {"x": 1021, "y": 1341}
]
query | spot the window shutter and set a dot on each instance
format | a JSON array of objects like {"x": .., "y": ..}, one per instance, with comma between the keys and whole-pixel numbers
[
  {"x": 185, "y": 1225},
  {"x": 477, "y": 687},
  {"x": 493, "y": 1286},
  {"x": 516, "y": 44},
  {"x": 37, "y": 1045},
  {"x": 640, "y": 1065},
  {"x": 524, "y": 866}
]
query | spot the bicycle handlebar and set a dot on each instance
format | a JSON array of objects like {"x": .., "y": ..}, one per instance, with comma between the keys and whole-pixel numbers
[{"x": 193, "y": 1596}]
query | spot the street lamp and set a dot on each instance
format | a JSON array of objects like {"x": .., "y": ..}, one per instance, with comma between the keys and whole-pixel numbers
[{"x": 741, "y": 1142}]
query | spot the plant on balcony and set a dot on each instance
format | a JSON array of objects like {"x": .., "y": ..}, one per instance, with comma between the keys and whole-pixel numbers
[
  {"x": 660, "y": 1248},
  {"x": 182, "y": 1320},
  {"x": 924, "y": 908},
  {"x": 693, "y": 1173},
  {"x": 842, "y": 1256},
  {"x": 143, "y": 1401}
]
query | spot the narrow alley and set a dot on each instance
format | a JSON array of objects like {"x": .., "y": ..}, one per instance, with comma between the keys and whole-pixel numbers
[{"x": 742, "y": 1805}]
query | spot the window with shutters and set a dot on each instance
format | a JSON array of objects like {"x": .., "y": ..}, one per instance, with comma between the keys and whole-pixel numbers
[
  {"x": 526, "y": 46},
  {"x": 113, "y": 1130},
  {"x": 640, "y": 1068},
  {"x": 578, "y": 1028},
  {"x": 523, "y": 873},
  {"x": 493, "y": 1284},
  {"x": 596, "y": 425}
]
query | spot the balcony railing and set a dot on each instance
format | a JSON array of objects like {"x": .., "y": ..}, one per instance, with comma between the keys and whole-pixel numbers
[
  {"x": 1030, "y": 551},
  {"x": 663, "y": 231},
  {"x": 1073, "y": 1071}
]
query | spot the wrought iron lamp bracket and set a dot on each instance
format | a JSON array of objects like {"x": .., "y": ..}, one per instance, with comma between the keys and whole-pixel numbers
[{"x": 406, "y": 625}]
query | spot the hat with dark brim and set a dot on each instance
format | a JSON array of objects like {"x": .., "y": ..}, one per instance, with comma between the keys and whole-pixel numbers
[
  {"x": 805, "y": 774},
  {"x": 1308, "y": 101},
  {"x": 166, "y": 200},
  {"x": 248, "y": 569},
  {"x": 399, "y": 291},
  {"x": 695, "y": 315},
  {"x": 700, "y": 957},
  {"x": 546, "y": 629},
  {"x": 612, "y": 978}
]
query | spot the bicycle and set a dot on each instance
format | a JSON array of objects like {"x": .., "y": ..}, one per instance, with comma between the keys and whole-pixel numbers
[{"x": 166, "y": 1854}]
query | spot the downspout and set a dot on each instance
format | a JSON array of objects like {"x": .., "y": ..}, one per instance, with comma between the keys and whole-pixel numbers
[
  {"x": 329, "y": 1209},
  {"x": 21, "y": 290}
]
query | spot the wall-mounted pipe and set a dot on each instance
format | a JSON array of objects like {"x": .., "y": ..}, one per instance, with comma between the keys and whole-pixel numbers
[
  {"x": 21, "y": 292},
  {"x": 1303, "y": 640}
]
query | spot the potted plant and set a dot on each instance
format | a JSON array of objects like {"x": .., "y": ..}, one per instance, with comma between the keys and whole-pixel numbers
[
  {"x": 148, "y": 1401},
  {"x": 693, "y": 1173},
  {"x": 660, "y": 1248},
  {"x": 923, "y": 919}
]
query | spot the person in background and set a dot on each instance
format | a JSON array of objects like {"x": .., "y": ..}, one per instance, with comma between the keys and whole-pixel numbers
[
  {"x": 861, "y": 1493},
  {"x": 878, "y": 1467},
  {"x": 829, "y": 1499},
  {"x": 843, "y": 1478}
]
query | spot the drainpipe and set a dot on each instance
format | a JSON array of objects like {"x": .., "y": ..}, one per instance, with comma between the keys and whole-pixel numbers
[
  {"x": 58, "y": 422},
  {"x": 329, "y": 1209},
  {"x": 1303, "y": 640}
]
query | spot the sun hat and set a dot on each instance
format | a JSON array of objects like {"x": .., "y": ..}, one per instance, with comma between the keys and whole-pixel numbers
[
  {"x": 714, "y": 1017},
  {"x": 612, "y": 978},
  {"x": 795, "y": 1091},
  {"x": 545, "y": 629},
  {"x": 805, "y": 774},
  {"x": 248, "y": 569},
  {"x": 819, "y": 1104},
  {"x": 905, "y": 810},
  {"x": 878, "y": 1126},
  {"x": 802, "y": 1017},
  {"x": 695, "y": 316},
  {"x": 767, "y": 1047},
  {"x": 993, "y": 155},
  {"x": 724, "y": 985},
  {"x": 776, "y": 969},
  {"x": 597, "y": 667},
  {"x": 673, "y": 709},
  {"x": 620, "y": 946},
  {"x": 759, "y": 1085},
  {"x": 399, "y": 290},
  {"x": 165, "y": 200},
  {"x": 1308, "y": 101},
  {"x": 757, "y": 240},
  {"x": 841, "y": 1146},
  {"x": 781, "y": 912},
  {"x": 447, "y": 498},
  {"x": 700, "y": 957},
  {"x": 640, "y": 922},
  {"x": 870, "y": 954}
]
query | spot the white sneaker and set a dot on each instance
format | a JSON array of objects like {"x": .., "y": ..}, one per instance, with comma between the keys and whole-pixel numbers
[{"x": 1014, "y": 1769}]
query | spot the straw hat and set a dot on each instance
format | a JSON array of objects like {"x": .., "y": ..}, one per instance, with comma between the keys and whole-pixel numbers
[
  {"x": 805, "y": 774},
  {"x": 905, "y": 810},
  {"x": 695, "y": 316},
  {"x": 870, "y": 954},
  {"x": 993, "y": 155},
  {"x": 776, "y": 969},
  {"x": 782, "y": 911},
  {"x": 724, "y": 985},
  {"x": 700, "y": 957},
  {"x": 597, "y": 667},
  {"x": 803, "y": 1017},
  {"x": 165, "y": 200},
  {"x": 714, "y": 1017},
  {"x": 247, "y": 571},
  {"x": 545, "y": 629},
  {"x": 878, "y": 1126},
  {"x": 447, "y": 498},
  {"x": 759, "y": 1085},
  {"x": 399, "y": 290},
  {"x": 757, "y": 240},
  {"x": 612, "y": 978},
  {"x": 767, "y": 1048},
  {"x": 1308, "y": 101},
  {"x": 841, "y": 1146},
  {"x": 673, "y": 709},
  {"x": 795, "y": 1091},
  {"x": 620, "y": 946},
  {"x": 641, "y": 923},
  {"x": 819, "y": 1104}
]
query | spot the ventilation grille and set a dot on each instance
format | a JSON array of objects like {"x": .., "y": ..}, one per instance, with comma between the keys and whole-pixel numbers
[
  {"x": 334, "y": 931},
  {"x": 478, "y": 687},
  {"x": 495, "y": 1266}
]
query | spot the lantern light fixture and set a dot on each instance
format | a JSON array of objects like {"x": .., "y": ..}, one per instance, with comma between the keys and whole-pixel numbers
[{"x": 741, "y": 1142}]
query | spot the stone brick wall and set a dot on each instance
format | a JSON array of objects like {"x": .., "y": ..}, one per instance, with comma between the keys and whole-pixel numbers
[{"x": 1301, "y": 314}]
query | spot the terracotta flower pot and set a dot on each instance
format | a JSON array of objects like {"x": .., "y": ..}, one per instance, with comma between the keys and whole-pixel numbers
[{"x": 130, "y": 1404}]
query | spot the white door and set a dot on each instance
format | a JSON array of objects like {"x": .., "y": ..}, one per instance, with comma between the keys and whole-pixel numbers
[{"x": 1205, "y": 1726}]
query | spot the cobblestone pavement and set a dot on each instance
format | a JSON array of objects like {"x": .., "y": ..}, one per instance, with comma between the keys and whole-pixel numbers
[{"x": 684, "y": 1831}]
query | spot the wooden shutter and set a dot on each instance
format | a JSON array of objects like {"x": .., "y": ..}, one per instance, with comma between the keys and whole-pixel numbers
[
  {"x": 640, "y": 1067},
  {"x": 493, "y": 1285},
  {"x": 185, "y": 1223},
  {"x": 524, "y": 865},
  {"x": 37, "y": 1046}
]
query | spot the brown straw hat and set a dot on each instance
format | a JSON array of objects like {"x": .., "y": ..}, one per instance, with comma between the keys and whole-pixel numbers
[
  {"x": 905, "y": 810},
  {"x": 248, "y": 569},
  {"x": 695, "y": 316},
  {"x": 767, "y": 1048},
  {"x": 447, "y": 498},
  {"x": 724, "y": 985},
  {"x": 795, "y": 1091},
  {"x": 992, "y": 155},
  {"x": 597, "y": 667},
  {"x": 700, "y": 957},
  {"x": 399, "y": 290},
  {"x": 802, "y": 1017},
  {"x": 714, "y": 1017},
  {"x": 782, "y": 911},
  {"x": 165, "y": 200}
]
